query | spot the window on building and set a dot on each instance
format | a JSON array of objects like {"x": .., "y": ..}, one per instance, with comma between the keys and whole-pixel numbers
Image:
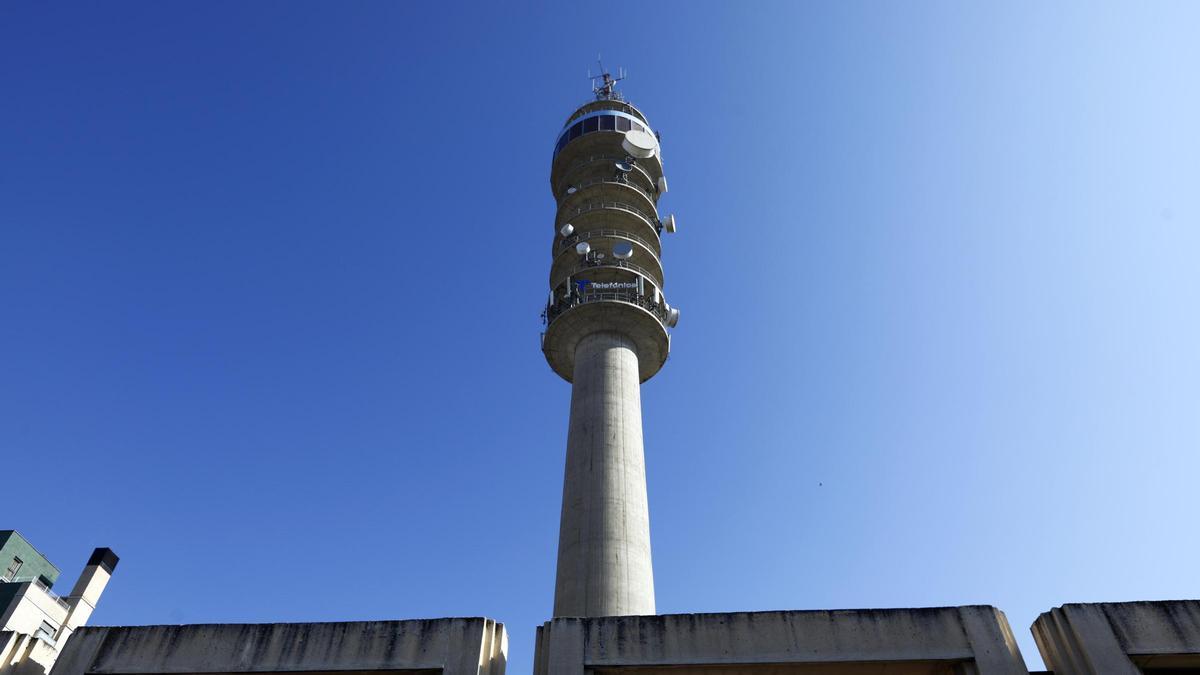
[
  {"x": 11, "y": 572},
  {"x": 46, "y": 631},
  {"x": 602, "y": 122}
]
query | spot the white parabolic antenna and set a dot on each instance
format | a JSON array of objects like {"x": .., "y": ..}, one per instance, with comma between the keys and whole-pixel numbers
[
  {"x": 622, "y": 250},
  {"x": 639, "y": 144},
  {"x": 566, "y": 230},
  {"x": 582, "y": 248},
  {"x": 669, "y": 223}
]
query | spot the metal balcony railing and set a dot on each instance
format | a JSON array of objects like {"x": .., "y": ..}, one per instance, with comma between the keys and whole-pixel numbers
[
  {"x": 612, "y": 181},
  {"x": 603, "y": 158},
  {"x": 619, "y": 234},
  {"x": 619, "y": 206},
  {"x": 53, "y": 596},
  {"x": 553, "y": 311},
  {"x": 41, "y": 586},
  {"x": 609, "y": 261},
  {"x": 617, "y": 97}
]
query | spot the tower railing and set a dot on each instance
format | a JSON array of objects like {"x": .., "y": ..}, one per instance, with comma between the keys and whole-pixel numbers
[
  {"x": 587, "y": 106},
  {"x": 604, "y": 158},
  {"x": 619, "y": 206},
  {"x": 575, "y": 299},
  {"x": 613, "y": 262},
  {"x": 612, "y": 181},
  {"x": 606, "y": 232}
]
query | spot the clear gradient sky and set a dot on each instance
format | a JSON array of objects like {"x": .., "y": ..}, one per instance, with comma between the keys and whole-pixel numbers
[{"x": 270, "y": 277}]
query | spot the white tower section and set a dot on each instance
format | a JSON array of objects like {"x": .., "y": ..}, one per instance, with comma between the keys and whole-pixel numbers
[{"x": 606, "y": 333}]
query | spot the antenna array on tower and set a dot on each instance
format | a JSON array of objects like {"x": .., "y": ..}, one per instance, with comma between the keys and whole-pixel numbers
[{"x": 604, "y": 85}]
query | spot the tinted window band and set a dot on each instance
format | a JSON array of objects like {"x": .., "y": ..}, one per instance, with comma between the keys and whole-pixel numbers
[{"x": 575, "y": 130}]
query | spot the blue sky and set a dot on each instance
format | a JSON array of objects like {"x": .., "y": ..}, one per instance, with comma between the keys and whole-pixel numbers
[{"x": 270, "y": 279}]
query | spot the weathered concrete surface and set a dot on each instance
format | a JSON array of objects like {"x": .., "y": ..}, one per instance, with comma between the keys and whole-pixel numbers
[
  {"x": 470, "y": 646},
  {"x": 25, "y": 654},
  {"x": 1119, "y": 637},
  {"x": 971, "y": 639},
  {"x": 604, "y": 566}
]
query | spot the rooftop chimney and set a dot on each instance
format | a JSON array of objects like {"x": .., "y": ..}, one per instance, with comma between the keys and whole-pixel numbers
[{"x": 86, "y": 594}]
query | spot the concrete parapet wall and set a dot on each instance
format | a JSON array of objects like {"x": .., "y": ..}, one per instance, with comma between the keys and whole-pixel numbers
[
  {"x": 972, "y": 639},
  {"x": 1119, "y": 637},
  {"x": 467, "y": 646}
]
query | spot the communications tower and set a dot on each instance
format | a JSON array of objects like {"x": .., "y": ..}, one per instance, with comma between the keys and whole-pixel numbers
[{"x": 606, "y": 333}]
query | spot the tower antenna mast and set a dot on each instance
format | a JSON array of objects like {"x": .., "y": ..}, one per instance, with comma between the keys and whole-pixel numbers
[{"x": 604, "y": 85}]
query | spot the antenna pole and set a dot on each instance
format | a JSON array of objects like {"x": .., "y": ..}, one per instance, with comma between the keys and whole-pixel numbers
[{"x": 606, "y": 89}]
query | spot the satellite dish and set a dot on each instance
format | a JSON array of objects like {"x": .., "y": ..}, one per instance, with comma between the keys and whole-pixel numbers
[
  {"x": 672, "y": 317},
  {"x": 566, "y": 230},
  {"x": 669, "y": 223},
  {"x": 623, "y": 250},
  {"x": 639, "y": 144},
  {"x": 572, "y": 190},
  {"x": 583, "y": 248},
  {"x": 662, "y": 185},
  {"x": 624, "y": 167}
]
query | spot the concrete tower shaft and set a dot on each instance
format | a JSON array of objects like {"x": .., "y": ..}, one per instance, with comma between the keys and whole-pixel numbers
[
  {"x": 604, "y": 535},
  {"x": 606, "y": 333}
]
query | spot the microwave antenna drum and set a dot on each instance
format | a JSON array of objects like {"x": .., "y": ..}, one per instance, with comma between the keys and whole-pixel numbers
[{"x": 639, "y": 144}]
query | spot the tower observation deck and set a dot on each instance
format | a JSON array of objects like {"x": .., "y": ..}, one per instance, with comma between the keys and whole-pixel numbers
[{"x": 607, "y": 323}]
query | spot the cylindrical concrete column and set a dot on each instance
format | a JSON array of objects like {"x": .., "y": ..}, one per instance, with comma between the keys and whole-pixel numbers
[{"x": 604, "y": 537}]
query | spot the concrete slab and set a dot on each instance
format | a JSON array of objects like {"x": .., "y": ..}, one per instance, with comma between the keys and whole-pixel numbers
[
  {"x": 971, "y": 639},
  {"x": 1120, "y": 637},
  {"x": 456, "y": 646}
]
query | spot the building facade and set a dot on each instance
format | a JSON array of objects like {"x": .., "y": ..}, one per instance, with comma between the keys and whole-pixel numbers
[{"x": 34, "y": 620}]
